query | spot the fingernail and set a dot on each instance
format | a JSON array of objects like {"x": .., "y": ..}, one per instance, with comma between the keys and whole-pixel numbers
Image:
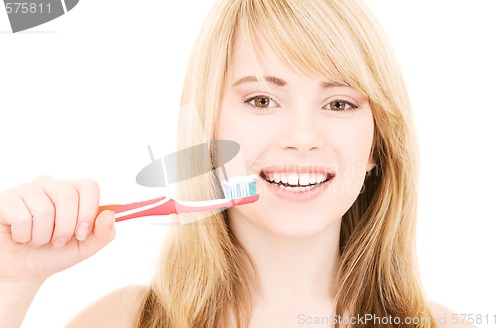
[
  {"x": 60, "y": 242},
  {"x": 83, "y": 231}
]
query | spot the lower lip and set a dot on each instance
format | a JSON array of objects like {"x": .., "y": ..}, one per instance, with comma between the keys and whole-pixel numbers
[{"x": 297, "y": 196}]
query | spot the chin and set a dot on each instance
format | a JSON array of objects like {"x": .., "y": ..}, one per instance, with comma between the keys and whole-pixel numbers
[{"x": 296, "y": 226}]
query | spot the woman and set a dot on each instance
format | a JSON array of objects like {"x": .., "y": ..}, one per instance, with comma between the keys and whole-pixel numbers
[{"x": 313, "y": 96}]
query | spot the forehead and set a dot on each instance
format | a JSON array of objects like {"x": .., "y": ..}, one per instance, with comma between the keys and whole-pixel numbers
[
  {"x": 248, "y": 60},
  {"x": 320, "y": 39},
  {"x": 261, "y": 60}
]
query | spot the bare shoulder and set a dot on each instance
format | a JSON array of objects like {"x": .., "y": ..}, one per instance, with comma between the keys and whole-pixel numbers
[
  {"x": 117, "y": 309},
  {"x": 446, "y": 318}
]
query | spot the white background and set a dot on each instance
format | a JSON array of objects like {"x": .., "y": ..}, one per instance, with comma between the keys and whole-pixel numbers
[{"x": 82, "y": 97}]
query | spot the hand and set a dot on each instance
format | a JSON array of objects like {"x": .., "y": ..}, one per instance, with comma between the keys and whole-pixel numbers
[{"x": 49, "y": 225}]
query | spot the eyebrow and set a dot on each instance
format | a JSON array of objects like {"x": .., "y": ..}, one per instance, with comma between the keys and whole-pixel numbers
[
  {"x": 271, "y": 79},
  {"x": 335, "y": 84},
  {"x": 281, "y": 83}
]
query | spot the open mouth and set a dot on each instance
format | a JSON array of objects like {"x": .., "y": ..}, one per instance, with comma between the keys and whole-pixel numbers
[{"x": 296, "y": 181}]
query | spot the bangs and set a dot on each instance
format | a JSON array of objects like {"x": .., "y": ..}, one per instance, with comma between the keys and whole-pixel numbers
[{"x": 328, "y": 45}]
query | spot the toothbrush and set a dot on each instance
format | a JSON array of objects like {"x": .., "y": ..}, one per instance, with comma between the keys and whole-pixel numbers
[{"x": 238, "y": 190}]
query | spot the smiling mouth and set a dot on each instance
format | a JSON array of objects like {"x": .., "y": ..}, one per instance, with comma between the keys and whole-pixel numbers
[{"x": 296, "y": 181}]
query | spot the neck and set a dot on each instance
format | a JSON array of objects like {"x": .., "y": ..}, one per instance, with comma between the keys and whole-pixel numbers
[{"x": 290, "y": 271}]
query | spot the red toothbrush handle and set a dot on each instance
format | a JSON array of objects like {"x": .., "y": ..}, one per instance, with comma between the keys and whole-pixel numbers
[
  {"x": 108, "y": 208},
  {"x": 164, "y": 206},
  {"x": 245, "y": 200},
  {"x": 157, "y": 206}
]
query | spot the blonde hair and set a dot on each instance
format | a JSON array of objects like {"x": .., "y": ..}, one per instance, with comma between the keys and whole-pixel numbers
[{"x": 203, "y": 274}]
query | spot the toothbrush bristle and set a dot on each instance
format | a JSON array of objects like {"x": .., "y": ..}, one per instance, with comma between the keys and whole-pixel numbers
[{"x": 240, "y": 186}]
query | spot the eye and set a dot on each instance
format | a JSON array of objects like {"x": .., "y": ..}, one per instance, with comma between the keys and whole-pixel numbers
[
  {"x": 339, "y": 105},
  {"x": 261, "y": 102}
]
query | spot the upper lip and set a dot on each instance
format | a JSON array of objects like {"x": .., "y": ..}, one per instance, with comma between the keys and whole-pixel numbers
[{"x": 298, "y": 169}]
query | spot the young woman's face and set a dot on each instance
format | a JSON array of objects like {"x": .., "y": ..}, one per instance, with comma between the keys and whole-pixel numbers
[{"x": 307, "y": 139}]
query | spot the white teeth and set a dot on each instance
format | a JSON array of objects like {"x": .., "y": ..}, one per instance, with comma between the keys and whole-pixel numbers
[
  {"x": 295, "y": 179},
  {"x": 296, "y": 189},
  {"x": 304, "y": 179},
  {"x": 320, "y": 178},
  {"x": 277, "y": 177}
]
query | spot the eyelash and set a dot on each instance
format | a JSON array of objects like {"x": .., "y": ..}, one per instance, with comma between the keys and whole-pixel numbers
[
  {"x": 249, "y": 101},
  {"x": 352, "y": 106}
]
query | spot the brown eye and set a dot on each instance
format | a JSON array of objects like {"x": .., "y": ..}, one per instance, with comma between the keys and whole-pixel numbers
[
  {"x": 262, "y": 102},
  {"x": 340, "y": 106},
  {"x": 337, "y": 105}
]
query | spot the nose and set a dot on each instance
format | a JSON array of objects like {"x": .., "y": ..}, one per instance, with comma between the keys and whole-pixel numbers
[{"x": 301, "y": 130}]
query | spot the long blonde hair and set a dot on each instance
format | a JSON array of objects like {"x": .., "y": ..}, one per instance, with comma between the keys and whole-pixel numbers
[{"x": 202, "y": 276}]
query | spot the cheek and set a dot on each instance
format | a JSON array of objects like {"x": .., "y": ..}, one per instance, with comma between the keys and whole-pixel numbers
[
  {"x": 252, "y": 141},
  {"x": 352, "y": 143},
  {"x": 354, "y": 139}
]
